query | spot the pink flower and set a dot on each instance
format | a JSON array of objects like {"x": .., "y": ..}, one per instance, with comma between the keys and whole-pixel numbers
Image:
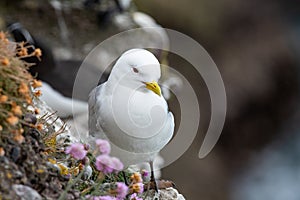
[
  {"x": 141, "y": 185},
  {"x": 122, "y": 190},
  {"x": 117, "y": 164},
  {"x": 135, "y": 197},
  {"x": 103, "y": 163},
  {"x": 107, "y": 164},
  {"x": 103, "y": 145},
  {"x": 106, "y": 198},
  {"x": 145, "y": 173},
  {"x": 76, "y": 150},
  {"x": 100, "y": 197}
]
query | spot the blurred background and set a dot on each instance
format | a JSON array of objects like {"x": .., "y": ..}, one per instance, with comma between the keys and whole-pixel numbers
[{"x": 256, "y": 46}]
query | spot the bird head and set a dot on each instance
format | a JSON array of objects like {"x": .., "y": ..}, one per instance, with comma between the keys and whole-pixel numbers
[{"x": 138, "y": 68}]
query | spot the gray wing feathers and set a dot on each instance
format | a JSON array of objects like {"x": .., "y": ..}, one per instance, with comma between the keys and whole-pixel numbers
[
  {"x": 171, "y": 126},
  {"x": 92, "y": 110}
]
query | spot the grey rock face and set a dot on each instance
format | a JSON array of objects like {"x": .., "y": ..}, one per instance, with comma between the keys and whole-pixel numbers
[
  {"x": 165, "y": 194},
  {"x": 26, "y": 193}
]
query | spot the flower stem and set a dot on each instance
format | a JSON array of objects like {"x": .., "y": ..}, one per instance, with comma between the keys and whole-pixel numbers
[{"x": 70, "y": 184}]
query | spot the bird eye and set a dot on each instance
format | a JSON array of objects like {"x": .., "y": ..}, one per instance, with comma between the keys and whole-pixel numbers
[{"x": 135, "y": 70}]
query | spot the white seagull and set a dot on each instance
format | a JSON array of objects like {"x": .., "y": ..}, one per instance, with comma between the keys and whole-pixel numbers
[{"x": 130, "y": 111}]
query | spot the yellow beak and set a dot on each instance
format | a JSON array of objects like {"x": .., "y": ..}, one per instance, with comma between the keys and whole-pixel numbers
[{"x": 153, "y": 86}]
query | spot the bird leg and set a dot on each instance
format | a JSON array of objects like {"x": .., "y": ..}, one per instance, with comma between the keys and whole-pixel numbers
[
  {"x": 160, "y": 184},
  {"x": 125, "y": 178},
  {"x": 152, "y": 178}
]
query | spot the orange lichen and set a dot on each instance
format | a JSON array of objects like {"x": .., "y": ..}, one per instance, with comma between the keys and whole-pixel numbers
[
  {"x": 21, "y": 130},
  {"x": 51, "y": 142},
  {"x": 5, "y": 61},
  {"x": 2, "y": 152},
  {"x": 63, "y": 169},
  {"x": 80, "y": 166},
  {"x": 38, "y": 93},
  {"x": 23, "y": 88},
  {"x": 28, "y": 99},
  {"x": 3, "y": 98},
  {"x": 23, "y": 52},
  {"x": 39, "y": 127},
  {"x": 19, "y": 138},
  {"x": 136, "y": 188},
  {"x": 12, "y": 120},
  {"x": 2, "y": 35},
  {"x": 37, "y": 111},
  {"x": 52, "y": 161},
  {"x": 40, "y": 171},
  {"x": 16, "y": 109},
  {"x": 136, "y": 178},
  {"x": 74, "y": 171},
  {"x": 8, "y": 175},
  {"x": 36, "y": 83},
  {"x": 38, "y": 53}
]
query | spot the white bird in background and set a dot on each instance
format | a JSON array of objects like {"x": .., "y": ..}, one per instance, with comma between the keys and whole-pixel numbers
[
  {"x": 129, "y": 110},
  {"x": 64, "y": 106}
]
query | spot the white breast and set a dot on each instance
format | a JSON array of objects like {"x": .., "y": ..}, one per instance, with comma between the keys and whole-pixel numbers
[{"x": 136, "y": 121}]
